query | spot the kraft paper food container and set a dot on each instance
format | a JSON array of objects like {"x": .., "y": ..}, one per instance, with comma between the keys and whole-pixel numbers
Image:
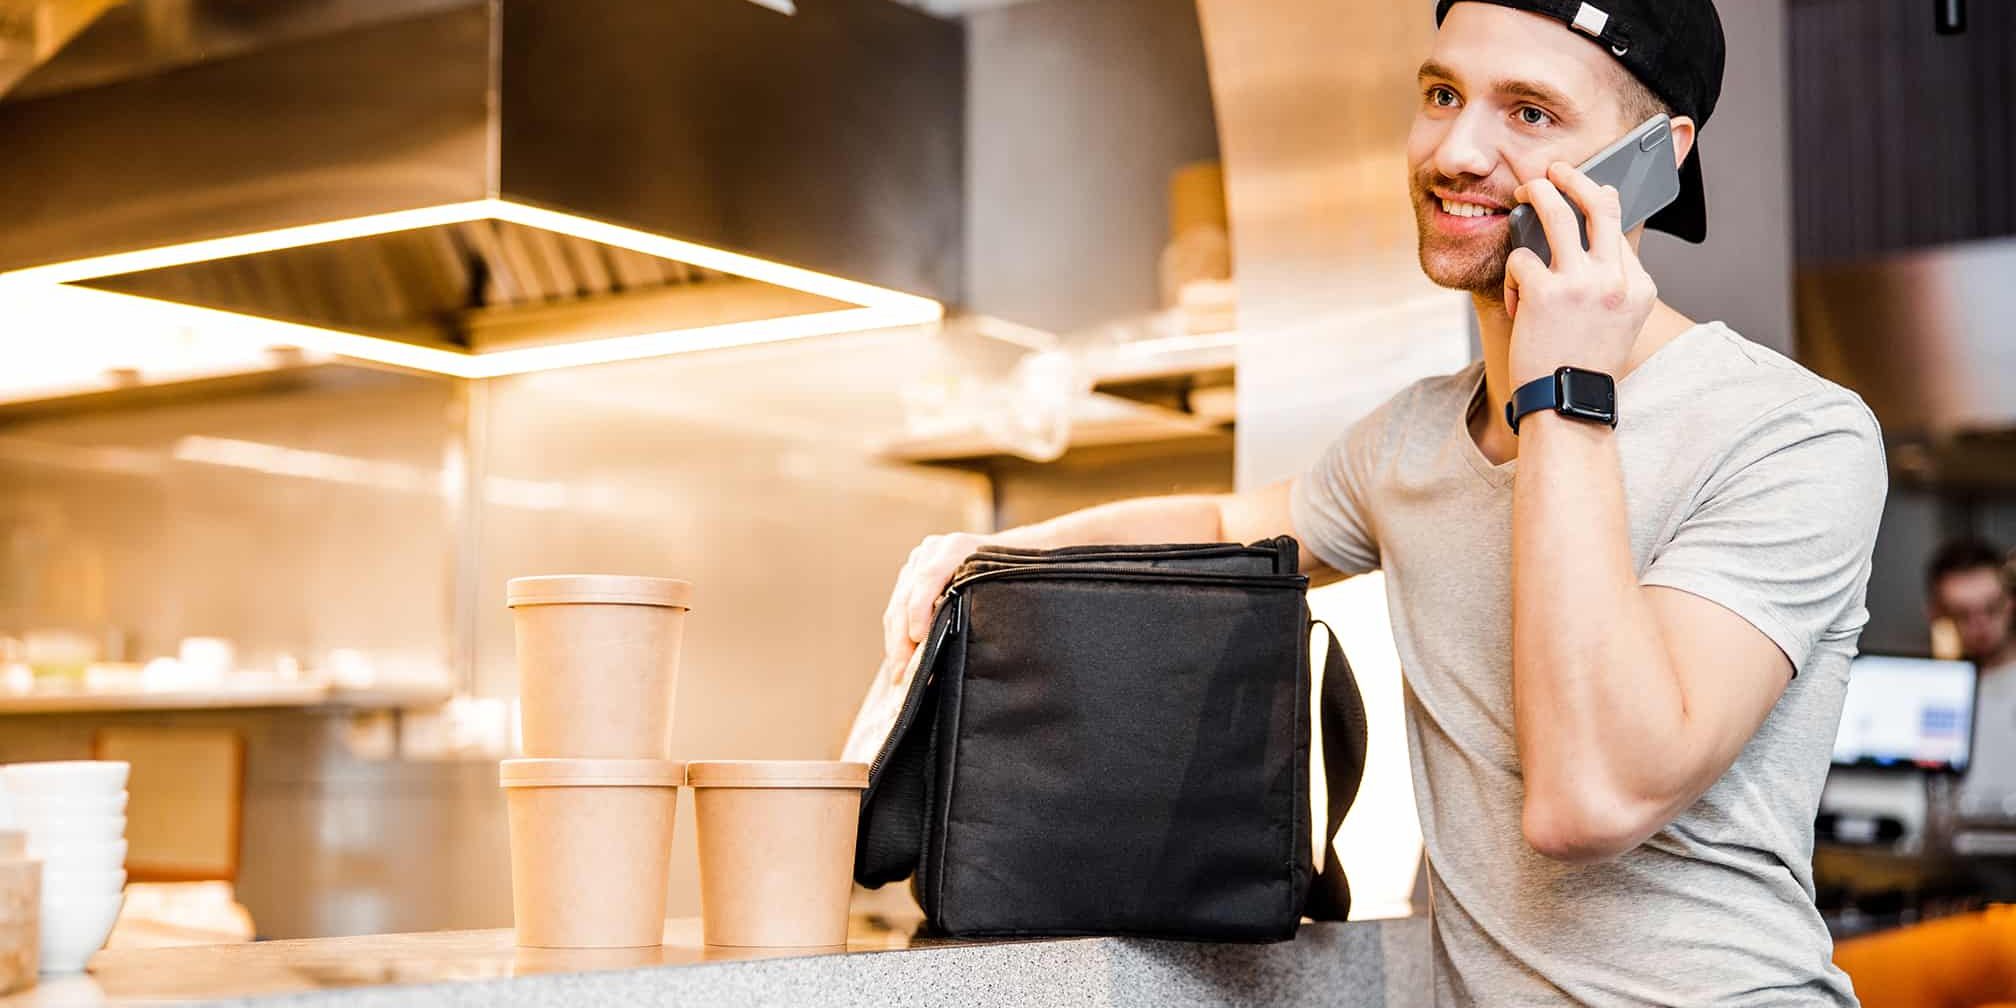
[
  {"x": 20, "y": 915},
  {"x": 776, "y": 850},
  {"x": 591, "y": 845},
  {"x": 598, "y": 663}
]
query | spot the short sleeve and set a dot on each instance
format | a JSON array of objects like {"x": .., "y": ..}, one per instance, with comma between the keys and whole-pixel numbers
[
  {"x": 1330, "y": 504},
  {"x": 1782, "y": 533}
]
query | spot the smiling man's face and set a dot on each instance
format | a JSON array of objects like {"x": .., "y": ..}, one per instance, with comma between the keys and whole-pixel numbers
[{"x": 1503, "y": 94}]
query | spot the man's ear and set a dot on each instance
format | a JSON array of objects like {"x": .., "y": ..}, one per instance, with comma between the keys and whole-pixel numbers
[{"x": 1683, "y": 138}]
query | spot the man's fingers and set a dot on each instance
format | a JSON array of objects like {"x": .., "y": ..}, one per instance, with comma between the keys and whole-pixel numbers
[
  {"x": 1601, "y": 205},
  {"x": 909, "y": 664},
  {"x": 1557, "y": 219},
  {"x": 895, "y": 626},
  {"x": 922, "y": 599},
  {"x": 1522, "y": 268},
  {"x": 927, "y": 582}
]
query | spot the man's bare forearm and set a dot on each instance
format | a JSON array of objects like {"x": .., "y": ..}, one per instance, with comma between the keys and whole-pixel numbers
[
  {"x": 1599, "y": 714},
  {"x": 1246, "y": 517},
  {"x": 1143, "y": 521}
]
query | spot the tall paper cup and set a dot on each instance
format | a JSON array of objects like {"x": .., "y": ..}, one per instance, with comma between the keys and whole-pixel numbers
[
  {"x": 591, "y": 845},
  {"x": 598, "y": 663},
  {"x": 776, "y": 850}
]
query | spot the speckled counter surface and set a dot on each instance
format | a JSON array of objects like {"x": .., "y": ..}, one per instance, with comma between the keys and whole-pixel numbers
[{"x": 1373, "y": 963}]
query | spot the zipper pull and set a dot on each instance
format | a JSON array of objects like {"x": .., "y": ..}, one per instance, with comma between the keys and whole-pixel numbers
[{"x": 958, "y": 604}]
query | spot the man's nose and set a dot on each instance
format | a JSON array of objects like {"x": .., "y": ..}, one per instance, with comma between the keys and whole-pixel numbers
[{"x": 1463, "y": 150}]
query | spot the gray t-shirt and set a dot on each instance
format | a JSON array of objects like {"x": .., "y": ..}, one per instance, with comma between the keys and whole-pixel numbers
[
  {"x": 1749, "y": 481},
  {"x": 1988, "y": 791}
]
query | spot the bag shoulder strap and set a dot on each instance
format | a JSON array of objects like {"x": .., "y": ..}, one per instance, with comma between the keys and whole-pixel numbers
[{"x": 1341, "y": 712}]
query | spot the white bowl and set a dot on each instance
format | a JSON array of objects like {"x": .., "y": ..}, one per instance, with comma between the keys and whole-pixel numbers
[
  {"x": 70, "y": 777},
  {"x": 79, "y": 858},
  {"x": 48, "y": 806},
  {"x": 71, "y": 882},
  {"x": 55, "y": 831},
  {"x": 78, "y": 910}
]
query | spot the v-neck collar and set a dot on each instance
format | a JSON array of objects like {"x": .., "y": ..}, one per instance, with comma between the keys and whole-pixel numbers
[{"x": 1500, "y": 475}]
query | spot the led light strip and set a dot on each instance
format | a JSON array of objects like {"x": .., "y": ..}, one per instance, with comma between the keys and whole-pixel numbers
[
  {"x": 248, "y": 244},
  {"x": 880, "y": 307}
]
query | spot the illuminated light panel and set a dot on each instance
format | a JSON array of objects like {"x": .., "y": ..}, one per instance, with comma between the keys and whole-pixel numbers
[
  {"x": 880, "y": 307},
  {"x": 61, "y": 341}
]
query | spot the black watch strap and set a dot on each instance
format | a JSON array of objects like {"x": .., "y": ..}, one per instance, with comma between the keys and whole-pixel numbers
[{"x": 1589, "y": 396}]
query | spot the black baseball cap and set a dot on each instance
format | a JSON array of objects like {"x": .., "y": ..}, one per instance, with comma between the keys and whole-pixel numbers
[{"x": 1675, "y": 48}]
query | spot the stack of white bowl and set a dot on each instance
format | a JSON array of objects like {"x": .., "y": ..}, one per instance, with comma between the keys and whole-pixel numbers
[{"x": 75, "y": 816}]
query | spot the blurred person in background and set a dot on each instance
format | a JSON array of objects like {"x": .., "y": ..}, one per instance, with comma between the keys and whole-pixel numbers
[{"x": 1968, "y": 587}]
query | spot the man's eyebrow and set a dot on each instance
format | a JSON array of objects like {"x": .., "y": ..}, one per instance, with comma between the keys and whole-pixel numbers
[
  {"x": 1539, "y": 94},
  {"x": 1533, "y": 91}
]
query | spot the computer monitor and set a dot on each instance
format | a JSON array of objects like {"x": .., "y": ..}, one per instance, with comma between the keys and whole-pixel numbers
[{"x": 1907, "y": 713}]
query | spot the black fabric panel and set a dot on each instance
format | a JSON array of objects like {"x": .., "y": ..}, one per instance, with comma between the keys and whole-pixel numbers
[
  {"x": 1126, "y": 760},
  {"x": 1114, "y": 740}
]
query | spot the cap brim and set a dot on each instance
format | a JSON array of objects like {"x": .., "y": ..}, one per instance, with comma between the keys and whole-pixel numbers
[{"x": 1687, "y": 216}]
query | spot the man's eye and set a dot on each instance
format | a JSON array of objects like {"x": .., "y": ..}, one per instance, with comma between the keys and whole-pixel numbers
[
  {"x": 1534, "y": 117},
  {"x": 1441, "y": 97}
]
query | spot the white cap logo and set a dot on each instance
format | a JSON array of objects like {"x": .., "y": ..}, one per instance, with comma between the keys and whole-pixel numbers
[{"x": 1592, "y": 20}]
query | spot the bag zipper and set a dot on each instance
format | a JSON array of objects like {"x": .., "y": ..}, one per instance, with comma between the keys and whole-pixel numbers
[
  {"x": 1177, "y": 553},
  {"x": 941, "y": 629},
  {"x": 1127, "y": 574}
]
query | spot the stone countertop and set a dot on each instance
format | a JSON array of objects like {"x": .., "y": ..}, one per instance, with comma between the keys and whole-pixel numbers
[{"x": 1370, "y": 963}]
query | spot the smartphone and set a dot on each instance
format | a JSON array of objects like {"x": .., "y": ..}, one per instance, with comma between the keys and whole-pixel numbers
[{"x": 1640, "y": 165}]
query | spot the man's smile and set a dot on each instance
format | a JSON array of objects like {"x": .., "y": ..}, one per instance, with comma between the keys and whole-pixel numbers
[{"x": 1466, "y": 214}]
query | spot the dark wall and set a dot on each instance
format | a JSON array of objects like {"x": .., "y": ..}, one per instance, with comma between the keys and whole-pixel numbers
[{"x": 1901, "y": 137}]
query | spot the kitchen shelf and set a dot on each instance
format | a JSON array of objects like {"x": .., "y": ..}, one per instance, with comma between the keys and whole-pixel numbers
[
  {"x": 1099, "y": 420},
  {"x": 297, "y": 695}
]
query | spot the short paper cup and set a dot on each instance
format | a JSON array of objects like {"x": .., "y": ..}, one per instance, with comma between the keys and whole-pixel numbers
[
  {"x": 776, "y": 850},
  {"x": 598, "y": 663},
  {"x": 591, "y": 843}
]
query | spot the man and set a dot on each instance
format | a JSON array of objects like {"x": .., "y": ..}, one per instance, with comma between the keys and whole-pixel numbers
[
  {"x": 1625, "y": 653},
  {"x": 1967, "y": 585}
]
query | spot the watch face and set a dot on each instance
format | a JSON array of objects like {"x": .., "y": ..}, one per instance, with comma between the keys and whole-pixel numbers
[{"x": 1589, "y": 395}]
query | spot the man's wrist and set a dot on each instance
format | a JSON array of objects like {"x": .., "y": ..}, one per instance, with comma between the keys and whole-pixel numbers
[
  {"x": 1576, "y": 393},
  {"x": 1547, "y": 424},
  {"x": 1522, "y": 373}
]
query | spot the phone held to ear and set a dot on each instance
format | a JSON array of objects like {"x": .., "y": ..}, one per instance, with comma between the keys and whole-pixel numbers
[{"x": 1642, "y": 167}]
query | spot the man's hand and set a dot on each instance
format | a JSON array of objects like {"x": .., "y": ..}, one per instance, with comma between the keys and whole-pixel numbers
[
  {"x": 922, "y": 580},
  {"x": 1587, "y": 309}
]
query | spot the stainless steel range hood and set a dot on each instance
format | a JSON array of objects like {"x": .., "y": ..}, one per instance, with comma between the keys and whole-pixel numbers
[
  {"x": 476, "y": 188},
  {"x": 1928, "y": 338}
]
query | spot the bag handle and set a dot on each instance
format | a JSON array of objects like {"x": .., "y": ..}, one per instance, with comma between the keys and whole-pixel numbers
[{"x": 1341, "y": 712}]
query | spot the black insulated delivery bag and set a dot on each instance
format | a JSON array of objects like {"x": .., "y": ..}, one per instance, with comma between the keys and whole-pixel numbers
[{"x": 1114, "y": 740}]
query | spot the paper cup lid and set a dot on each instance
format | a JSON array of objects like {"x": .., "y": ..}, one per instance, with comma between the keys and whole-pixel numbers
[
  {"x": 590, "y": 773},
  {"x": 611, "y": 589},
  {"x": 777, "y": 774}
]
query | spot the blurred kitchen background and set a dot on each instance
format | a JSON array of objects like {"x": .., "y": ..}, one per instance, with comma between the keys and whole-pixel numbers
[{"x": 266, "y": 562}]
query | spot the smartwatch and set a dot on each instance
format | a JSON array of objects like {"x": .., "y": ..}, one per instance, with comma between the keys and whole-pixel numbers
[{"x": 1589, "y": 396}]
